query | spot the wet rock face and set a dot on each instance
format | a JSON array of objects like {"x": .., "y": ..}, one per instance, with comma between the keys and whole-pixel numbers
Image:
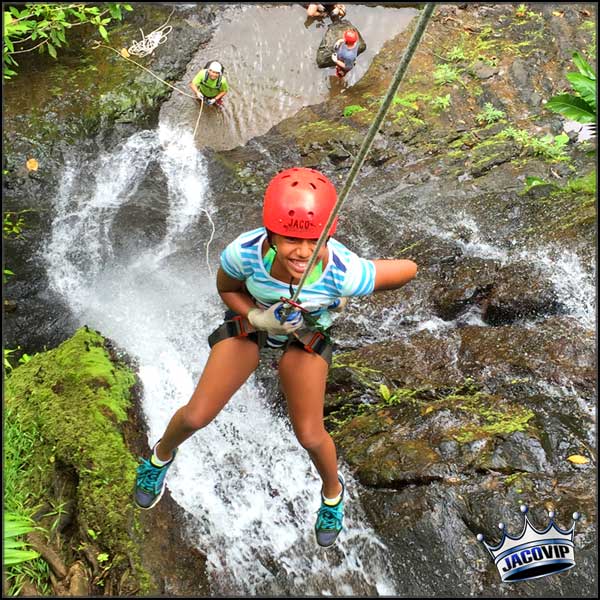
[
  {"x": 437, "y": 525},
  {"x": 439, "y": 461}
]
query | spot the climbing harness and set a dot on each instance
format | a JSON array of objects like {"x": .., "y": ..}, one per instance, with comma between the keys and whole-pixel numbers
[
  {"x": 362, "y": 153},
  {"x": 148, "y": 45},
  {"x": 313, "y": 341}
]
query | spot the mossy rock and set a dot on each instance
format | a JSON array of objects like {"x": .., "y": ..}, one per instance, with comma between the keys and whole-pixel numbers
[{"x": 73, "y": 401}]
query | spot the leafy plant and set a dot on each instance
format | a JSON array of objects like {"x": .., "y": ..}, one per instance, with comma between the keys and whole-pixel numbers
[
  {"x": 522, "y": 11},
  {"x": 6, "y": 274},
  {"x": 531, "y": 181},
  {"x": 550, "y": 147},
  {"x": 13, "y": 224},
  {"x": 441, "y": 103},
  {"x": 408, "y": 101},
  {"x": 384, "y": 392},
  {"x": 43, "y": 26},
  {"x": 490, "y": 114},
  {"x": 444, "y": 74},
  {"x": 7, "y": 352},
  {"x": 15, "y": 550},
  {"x": 25, "y": 358},
  {"x": 581, "y": 106},
  {"x": 456, "y": 54}
]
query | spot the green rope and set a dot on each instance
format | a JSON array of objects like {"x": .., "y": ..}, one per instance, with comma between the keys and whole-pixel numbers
[{"x": 368, "y": 141}]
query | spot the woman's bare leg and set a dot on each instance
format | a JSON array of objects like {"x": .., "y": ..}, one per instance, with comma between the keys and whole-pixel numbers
[
  {"x": 303, "y": 377},
  {"x": 230, "y": 363}
]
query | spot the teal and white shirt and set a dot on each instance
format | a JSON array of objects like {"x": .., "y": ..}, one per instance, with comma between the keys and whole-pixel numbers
[{"x": 346, "y": 274}]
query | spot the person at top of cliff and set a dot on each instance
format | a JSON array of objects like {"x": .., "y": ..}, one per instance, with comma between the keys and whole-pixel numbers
[
  {"x": 209, "y": 84},
  {"x": 345, "y": 51},
  {"x": 326, "y": 9},
  {"x": 258, "y": 270}
]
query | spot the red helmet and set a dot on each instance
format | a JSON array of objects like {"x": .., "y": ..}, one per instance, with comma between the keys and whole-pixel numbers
[
  {"x": 350, "y": 36},
  {"x": 298, "y": 203}
]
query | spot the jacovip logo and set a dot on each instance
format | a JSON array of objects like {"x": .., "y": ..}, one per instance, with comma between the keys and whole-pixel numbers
[{"x": 533, "y": 553}]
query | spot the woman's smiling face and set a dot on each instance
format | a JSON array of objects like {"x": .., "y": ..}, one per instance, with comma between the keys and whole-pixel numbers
[{"x": 293, "y": 255}]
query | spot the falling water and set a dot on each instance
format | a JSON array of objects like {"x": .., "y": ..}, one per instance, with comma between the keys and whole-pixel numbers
[{"x": 128, "y": 270}]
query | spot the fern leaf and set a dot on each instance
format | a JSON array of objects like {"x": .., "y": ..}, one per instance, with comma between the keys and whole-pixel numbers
[{"x": 572, "y": 107}]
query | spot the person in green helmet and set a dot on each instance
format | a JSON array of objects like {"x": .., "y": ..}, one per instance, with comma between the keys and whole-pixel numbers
[{"x": 210, "y": 84}]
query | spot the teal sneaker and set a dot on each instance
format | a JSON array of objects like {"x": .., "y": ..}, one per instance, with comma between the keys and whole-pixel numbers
[
  {"x": 150, "y": 482},
  {"x": 330, "y": 518}
]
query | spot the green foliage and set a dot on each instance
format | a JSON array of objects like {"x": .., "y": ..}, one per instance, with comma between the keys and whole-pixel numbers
[
  {"x": 384, "y": 391},
  {"x": 353, "y": 108},
  {"x": 13, "y": 224},
  {"x": 550, "y": 147},
  {"x": 75, "y": 396},
  {"x": 441, "y": 103},
  {"x": 407, "y": 102},
  {"x": 7, "y": 352},
  {"x": 531, "y": 182},
  {"x": 581, "y": 106},
  {"x": 444, "y": 74},
  {"x": 15, "y": 550},
  {"x": 43, "y": 26},
  {"x": 20, "y": 443},
  {"x": 490, "y": 114},
  {"x": 456, "y": 54},
  {"x": 583, "y": 185},
  {"x": 522, "y": 12},
  {"x": 25, "y": 358},
  {"x": 12, "y": 227}
]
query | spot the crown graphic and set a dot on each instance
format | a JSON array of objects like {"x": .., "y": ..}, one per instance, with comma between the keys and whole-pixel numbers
[{"x": 533, "y": 553}]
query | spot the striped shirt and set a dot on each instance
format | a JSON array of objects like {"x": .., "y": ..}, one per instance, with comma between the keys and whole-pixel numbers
[{"x": 345, "y": 274}]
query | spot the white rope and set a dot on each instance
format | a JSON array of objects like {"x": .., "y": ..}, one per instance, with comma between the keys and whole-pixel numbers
[
  {"x": 198, "y": 119},
  {"x": 149, "y": 44},
  {"x": 212, "y": 235}
]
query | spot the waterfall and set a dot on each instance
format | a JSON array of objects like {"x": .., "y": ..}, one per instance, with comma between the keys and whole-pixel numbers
[{"x": 119, "y": 255}]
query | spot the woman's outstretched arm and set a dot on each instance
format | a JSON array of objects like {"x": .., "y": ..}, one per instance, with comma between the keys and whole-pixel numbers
[{"x": 391, "y": 274}]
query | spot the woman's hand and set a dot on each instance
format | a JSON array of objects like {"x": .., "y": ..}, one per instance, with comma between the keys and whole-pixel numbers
[
  {"x": 338, "y": 304},
  {"x": 269, "y": 320}
]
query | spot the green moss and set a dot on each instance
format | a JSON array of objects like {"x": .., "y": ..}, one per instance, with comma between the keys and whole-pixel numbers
[
  {"x": 519, "y": 482},
  {"x": 585, "y": 184},
  {"x": 488, "y": 415},
  {"x": 569, "y": 209},
  {"x": 353, "y": 108},
  {"x": 362, "y": 373},
  {"x": 488, "y": 420},
  {"x": 322, "y": 132},
  {"x": 72, "y": 400}
]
